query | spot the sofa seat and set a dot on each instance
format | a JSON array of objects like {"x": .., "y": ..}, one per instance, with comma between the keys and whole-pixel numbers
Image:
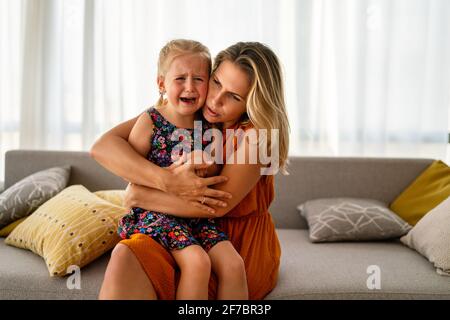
[
  {"x": 24, "y": 275},
  {"x": 308, "y": 271},
  {"x": 339, "y": 270}
]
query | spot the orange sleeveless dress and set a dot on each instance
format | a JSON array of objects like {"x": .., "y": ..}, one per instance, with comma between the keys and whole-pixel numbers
[{"x": 250, "y": 229}]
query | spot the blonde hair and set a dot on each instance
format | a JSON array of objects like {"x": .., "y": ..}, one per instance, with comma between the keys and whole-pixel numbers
[
  {"x": 265, "y": 103},
  {"x": 176, "y": 48}
]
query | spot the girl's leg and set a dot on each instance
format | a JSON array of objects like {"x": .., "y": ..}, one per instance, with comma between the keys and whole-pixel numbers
[
  {"x": 195, "y": 268},
  {"x": 125, "y": 278},
  {"x": 229, "y": 268}
]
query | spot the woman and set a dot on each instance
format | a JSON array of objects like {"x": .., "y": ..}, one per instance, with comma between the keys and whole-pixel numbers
[{"x": 245, "y": 92}]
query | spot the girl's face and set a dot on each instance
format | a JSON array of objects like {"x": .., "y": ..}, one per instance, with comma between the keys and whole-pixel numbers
[
  {"x": 186, "y": 83},
  {"x": 227, "y": 94}
]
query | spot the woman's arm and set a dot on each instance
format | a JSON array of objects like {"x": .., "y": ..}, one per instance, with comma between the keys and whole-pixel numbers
[
  {"x": 156, "y": 200},
  {"x": 242, "y": 178},
  {"x": 113, "y": 152}
]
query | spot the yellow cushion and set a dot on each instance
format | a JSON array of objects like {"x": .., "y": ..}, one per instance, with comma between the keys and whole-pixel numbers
[
  {"x": 427, "y": 191},
  {"x": 73, "y": 228},
  {"x": 113, "y": 196},
  {"x": 10, "y": 227}
]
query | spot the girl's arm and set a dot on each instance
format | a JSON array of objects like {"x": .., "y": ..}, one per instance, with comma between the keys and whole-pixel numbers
[
  {"x": 141, "y": 134},
  {"x": 113, "y": 152}
]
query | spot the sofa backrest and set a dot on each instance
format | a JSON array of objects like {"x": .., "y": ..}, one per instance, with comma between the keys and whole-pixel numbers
[
  {"x": 84, "y": 169},
  {"x": 319, "y": 177},
  {"x": 310, "y": 178}
]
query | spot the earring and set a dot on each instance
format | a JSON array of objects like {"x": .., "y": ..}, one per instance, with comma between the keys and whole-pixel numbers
[
  {"x": 161, "y": 94},
  {"x": 161, "y": 97}
]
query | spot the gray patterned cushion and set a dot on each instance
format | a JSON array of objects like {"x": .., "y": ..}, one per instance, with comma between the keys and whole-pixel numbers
[
  {"x": 22, "y": 198},
  {"x": 431, "y": 237},
  {"x": 351, "y": 219}
]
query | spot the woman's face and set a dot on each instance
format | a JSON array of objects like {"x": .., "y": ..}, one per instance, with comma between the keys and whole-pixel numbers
[{"x": 229, "y": 86}]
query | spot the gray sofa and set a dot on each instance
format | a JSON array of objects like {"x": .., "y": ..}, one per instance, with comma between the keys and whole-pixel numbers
[{"x": 308, "y": 271}]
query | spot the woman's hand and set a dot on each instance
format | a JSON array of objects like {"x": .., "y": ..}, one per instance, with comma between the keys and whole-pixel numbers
[
  {"x": 156, "y": 200},
  {"x": 185, "y": 183},
  {"x": 190, "y": 187}
]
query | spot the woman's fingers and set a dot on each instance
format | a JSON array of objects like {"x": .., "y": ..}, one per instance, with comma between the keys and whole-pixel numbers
[
  {"x": 214, "y": 180},
  {"x": 203, "y": 207},
  {"x": 212, "y": 202},
  {"x": 213, "y": 193}
]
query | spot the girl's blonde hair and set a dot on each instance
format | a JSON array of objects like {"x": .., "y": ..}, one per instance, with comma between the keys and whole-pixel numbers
[
  {"x": 266, "y": 107},
  {"x": 176, "y": 48}
]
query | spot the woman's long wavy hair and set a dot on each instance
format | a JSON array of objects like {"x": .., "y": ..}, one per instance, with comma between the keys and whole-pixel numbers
[{"x": 266, "y": 107}]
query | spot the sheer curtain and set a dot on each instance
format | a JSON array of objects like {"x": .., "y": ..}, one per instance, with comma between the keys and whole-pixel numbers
[
  {"x": 375, "y": 78},
  {"x": 363, "y": 77}
]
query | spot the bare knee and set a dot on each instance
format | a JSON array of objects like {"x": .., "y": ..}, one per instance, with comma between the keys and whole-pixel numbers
[
  {"x": 233, "y": 268},
  {"x": 121, "y": 252},
  {"x": 125, "y": 278},
  {"x": 193, "y": 258}
]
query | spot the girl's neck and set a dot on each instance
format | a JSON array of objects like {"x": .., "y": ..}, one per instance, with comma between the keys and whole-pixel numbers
[{"x": 180, "y": 121}]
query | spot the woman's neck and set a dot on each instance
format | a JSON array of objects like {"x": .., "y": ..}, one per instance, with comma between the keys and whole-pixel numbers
[{"x": 229, "y": 124}]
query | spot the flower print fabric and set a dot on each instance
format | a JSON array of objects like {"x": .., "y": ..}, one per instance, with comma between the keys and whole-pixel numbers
[{"x": 172, "y": 232}]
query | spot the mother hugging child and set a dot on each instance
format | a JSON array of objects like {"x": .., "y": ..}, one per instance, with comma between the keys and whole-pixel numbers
[{"x": 196, "y": 229}]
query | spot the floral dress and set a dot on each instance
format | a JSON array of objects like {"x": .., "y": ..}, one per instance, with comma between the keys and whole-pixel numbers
[{"x": 172, "y": 232}]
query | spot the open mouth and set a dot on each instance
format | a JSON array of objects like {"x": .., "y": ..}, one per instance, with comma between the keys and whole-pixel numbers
[{"x": 188, "y": 100}]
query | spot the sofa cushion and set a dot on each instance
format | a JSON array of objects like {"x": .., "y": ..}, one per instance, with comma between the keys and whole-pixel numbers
[
  {"x": 23, "y": 275},
  {"x": 431, "y": 237},
  {"x": 114, "y": 196},
  {"x": 351, "y": 219},
  {"x": 28, "y": 194},
  {"x": 73, "y": 228},
  {"x": 429, "y": 189},
  {"x": 305, "y": 272},
  {"x": 339, "y": 270},
  {"x": 5, "y": 231}
]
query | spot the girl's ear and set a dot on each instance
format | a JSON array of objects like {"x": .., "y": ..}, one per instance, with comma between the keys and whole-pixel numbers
[{"x": 160, "y": 82}]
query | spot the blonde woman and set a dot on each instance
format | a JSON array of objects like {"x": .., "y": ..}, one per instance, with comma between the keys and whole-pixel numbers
[{"x": 245, "y": 92}]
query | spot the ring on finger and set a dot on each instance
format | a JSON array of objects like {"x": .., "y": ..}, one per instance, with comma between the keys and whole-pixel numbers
[{"x": 203, "y": 200}]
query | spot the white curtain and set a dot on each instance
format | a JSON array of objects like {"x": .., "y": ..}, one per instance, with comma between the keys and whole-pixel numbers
[
  {"x": 374, "y": 78},
  {"x": 363, "y": 77}
]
